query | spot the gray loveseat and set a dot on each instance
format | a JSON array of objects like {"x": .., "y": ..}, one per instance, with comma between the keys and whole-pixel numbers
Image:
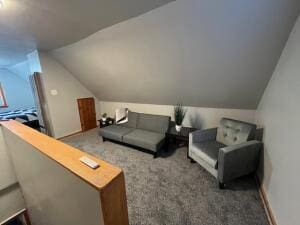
[
  {"x": 227, "y": 152},
  {"x": 142, "y": 130}
]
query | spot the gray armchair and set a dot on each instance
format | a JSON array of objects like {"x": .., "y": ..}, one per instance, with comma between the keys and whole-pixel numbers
[{"x": 227, "y": 152}]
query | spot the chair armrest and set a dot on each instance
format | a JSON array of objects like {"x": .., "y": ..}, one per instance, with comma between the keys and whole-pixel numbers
[
  {"x": 238, "y": 160},
  {"x": 203, "y": 135}
]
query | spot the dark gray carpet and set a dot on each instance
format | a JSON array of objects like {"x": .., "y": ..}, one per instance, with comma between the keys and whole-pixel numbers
[{"x": 172, "y": 191}]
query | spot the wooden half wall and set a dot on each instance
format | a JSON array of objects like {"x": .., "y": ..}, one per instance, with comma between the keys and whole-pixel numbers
[{"x": 60, "y": 190}]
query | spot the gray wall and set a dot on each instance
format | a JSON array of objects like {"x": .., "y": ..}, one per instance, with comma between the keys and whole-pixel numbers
[
  {"x": 197, "y": 117},
  {"x": 279, "y": 112},
  {"x": 63, "y": 108},
  {"x": 11, "y": 199},
  {"x": 17, "y": 91},
  {"x": 207, "y": 53},
  {"x": 21, "y": 69},
  {"x": 7, "y": 173}
]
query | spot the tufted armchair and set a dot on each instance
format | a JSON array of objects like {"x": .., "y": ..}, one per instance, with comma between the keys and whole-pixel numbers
[{"x": 227, "y": 152}]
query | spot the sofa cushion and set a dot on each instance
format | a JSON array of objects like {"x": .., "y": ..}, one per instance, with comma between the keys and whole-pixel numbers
[
  {"x": 155, "y": 123},
  {"x": 233, "y": 132},
  {"x": 115, "y": 132},
  {"x": 208, "y": 151},
  {"x": 132, "y": 120},
  {"x": 144, "y": 139}
]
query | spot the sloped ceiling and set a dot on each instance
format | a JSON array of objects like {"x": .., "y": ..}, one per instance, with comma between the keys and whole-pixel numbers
[
  {"x": 27, "y": 25},
  {"x": 21, "y": 69},
  {"x": 198, "y": 52}
]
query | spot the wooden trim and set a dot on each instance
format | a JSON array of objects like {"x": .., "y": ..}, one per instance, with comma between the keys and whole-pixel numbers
[
  {"x": 3, "y": 97},
  {"x": 265, "y": 202},
  {"x": 114, "y": 197},
  {"x": 70, "y": 135},
  {"x": 26, "y": 217}
]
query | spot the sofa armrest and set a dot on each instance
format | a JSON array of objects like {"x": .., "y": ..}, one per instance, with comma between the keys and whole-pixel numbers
[
  {"x": 203, "y": 135},
  {"x": 238, "y": 160}
]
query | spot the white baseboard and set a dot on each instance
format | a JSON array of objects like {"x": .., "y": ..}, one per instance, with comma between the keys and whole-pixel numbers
[
  {"x": 265, "y": 201},
  {"x": 69, "y": 135}
]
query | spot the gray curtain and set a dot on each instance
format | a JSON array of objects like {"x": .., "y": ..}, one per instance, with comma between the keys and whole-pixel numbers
[{"x": 40, "y": 102}]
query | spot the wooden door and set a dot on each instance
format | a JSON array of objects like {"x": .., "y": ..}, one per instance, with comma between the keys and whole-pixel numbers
[{"x": 87, "y": 112}]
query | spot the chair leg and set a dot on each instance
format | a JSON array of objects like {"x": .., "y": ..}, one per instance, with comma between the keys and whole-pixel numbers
[{"x": 221, "y": 185}]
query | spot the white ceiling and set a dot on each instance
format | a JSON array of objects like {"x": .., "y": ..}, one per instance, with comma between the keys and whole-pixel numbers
[{"x": 27, "y": 25}]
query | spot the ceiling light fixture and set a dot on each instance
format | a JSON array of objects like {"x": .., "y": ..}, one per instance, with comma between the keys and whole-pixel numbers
[{"x": 1, "y": 3}]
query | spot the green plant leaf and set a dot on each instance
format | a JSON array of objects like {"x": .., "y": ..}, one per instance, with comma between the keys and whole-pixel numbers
[{"x": 179, "y": 114}]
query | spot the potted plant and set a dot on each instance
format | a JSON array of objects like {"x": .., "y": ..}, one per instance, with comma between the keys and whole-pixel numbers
[
  {"x": 179, "y": 114},
  {"x": 104, "y": 117}
]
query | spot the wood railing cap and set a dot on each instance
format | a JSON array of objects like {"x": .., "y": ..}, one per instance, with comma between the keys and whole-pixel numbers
[{"x": 65, "y": 155}]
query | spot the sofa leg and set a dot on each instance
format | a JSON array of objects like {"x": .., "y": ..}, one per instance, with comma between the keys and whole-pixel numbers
[
  {"x": 221, "y": 185},
  {"x": 193, "y": 161},
  {"x": 103, "y": 139},
  {"x": 155, "y": 155}
]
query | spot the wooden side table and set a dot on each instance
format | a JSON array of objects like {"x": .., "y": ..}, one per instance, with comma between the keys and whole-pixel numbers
[
  {"x": 107, "y": 122},
  {"x": 183, "y": 136}
]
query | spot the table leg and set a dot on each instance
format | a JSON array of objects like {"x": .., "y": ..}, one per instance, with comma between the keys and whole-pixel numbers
[
  {"x": 167, "y": 144},
  {"x": 187, "y": 152}
]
